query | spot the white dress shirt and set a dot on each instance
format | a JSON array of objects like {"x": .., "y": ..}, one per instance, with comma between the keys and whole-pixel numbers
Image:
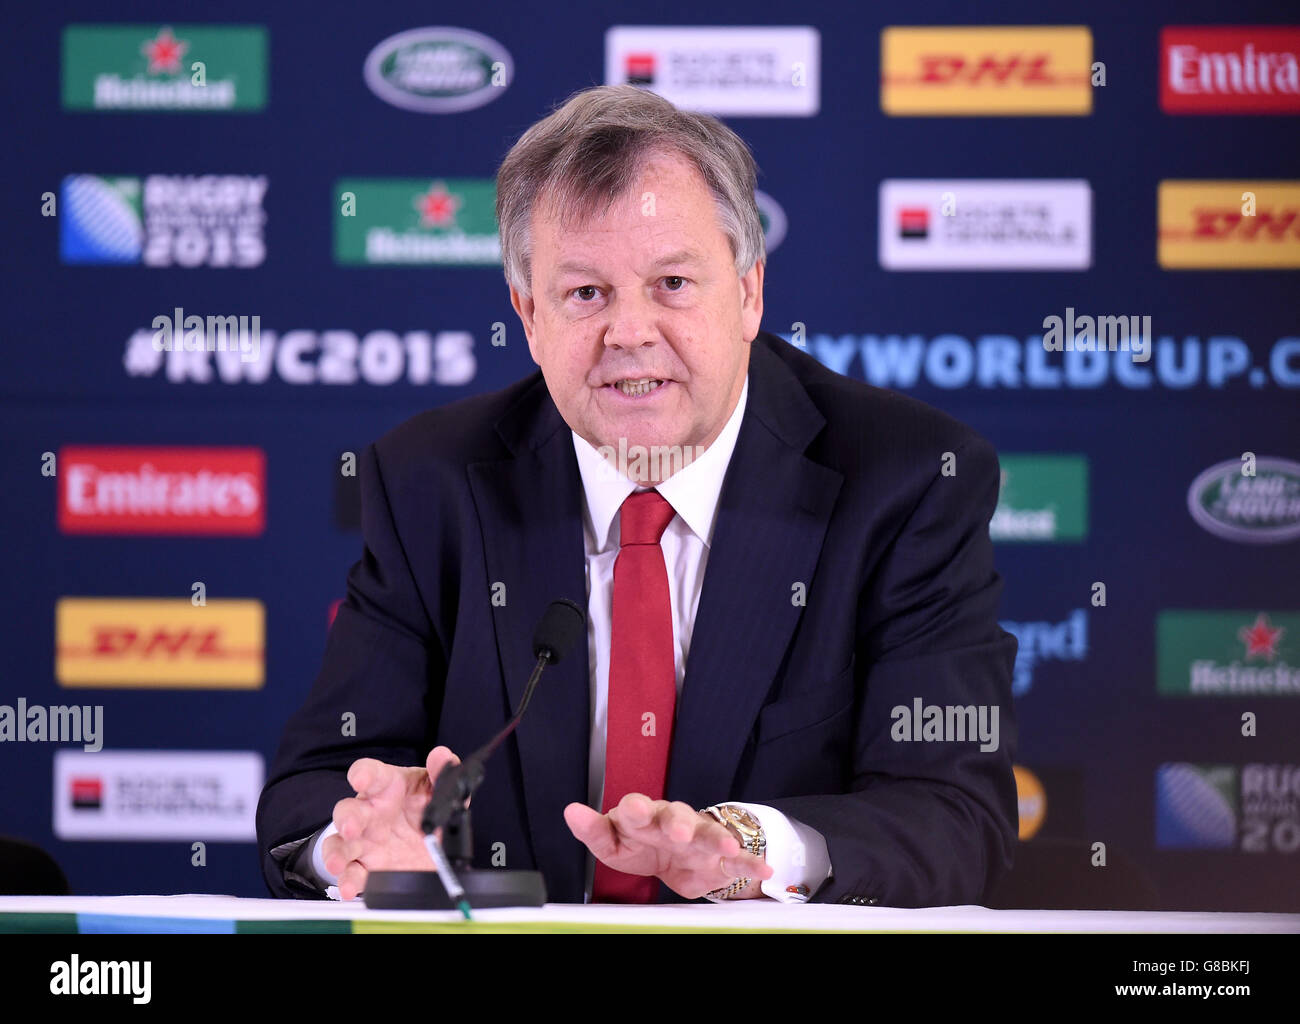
[{"x": 796, "y": 852}]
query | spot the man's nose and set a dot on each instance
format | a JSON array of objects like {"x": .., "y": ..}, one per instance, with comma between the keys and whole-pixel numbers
[{"x": 633, "y": 319}]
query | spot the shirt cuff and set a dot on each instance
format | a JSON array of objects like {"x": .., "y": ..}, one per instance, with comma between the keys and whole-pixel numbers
[
  {"x": 796, "y": 853},
  {"x": 323, "y": 874},
  {"x": 300, "y": 861}
]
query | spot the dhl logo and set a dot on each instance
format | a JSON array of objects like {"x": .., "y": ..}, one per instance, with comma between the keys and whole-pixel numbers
[
  {"x": 986, "y": 71},
  {"x": 1031, "y": 69},
  {"x": 125, "y": 640},
  {"x": 1275, "y": 224},
  {"x": 1242, "y": 224},
  {"x": 134, "y": 642}
]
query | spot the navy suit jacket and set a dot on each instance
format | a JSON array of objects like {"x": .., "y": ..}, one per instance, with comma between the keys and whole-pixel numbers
[{"x": 848, "y": 575}]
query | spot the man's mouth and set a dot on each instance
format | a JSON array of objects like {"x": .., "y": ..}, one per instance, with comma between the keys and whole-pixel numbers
[{"x": 636, "y": 387}]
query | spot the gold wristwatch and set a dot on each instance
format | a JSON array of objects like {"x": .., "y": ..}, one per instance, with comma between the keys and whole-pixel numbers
[{"x": 752, "y": 840}]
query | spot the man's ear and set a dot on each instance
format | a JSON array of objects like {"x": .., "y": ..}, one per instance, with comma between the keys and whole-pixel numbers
[
  {"x": 751, "y": 301},
  {"x": 525, "y": 307}
]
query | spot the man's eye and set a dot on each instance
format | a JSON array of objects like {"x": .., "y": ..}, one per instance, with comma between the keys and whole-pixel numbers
[
  {"x": 681, "y": 283},
  {"x": 580, "y": 292}
]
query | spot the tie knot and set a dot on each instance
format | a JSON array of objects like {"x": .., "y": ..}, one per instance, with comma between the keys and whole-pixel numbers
[{"x": 643, "y": 518}]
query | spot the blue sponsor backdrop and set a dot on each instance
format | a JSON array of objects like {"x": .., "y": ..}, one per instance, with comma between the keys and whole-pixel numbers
[{"x": 71, "y": 377}]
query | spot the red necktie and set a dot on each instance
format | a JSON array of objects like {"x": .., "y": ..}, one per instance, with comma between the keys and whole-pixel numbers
[{"x": 642, "y": 679}]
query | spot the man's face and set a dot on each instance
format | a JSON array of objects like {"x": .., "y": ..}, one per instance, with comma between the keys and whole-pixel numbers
[{"x": 648, "y": 290}]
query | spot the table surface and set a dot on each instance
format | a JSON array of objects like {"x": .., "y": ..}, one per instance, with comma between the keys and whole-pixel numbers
[{"x": 228, "y": 914}]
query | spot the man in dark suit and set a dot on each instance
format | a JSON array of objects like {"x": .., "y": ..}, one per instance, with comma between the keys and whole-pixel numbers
[{"x": 823, "y": 714}]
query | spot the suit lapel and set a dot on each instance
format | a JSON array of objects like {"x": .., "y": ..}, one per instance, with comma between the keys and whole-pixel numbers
[
  {"x": 772, "y": 516},
  {"x": 530, "y": 510}
]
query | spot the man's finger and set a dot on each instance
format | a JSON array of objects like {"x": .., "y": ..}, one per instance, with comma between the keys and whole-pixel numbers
[
  {"x": 352, "y": 882},
  {"x": 633, "y": 813},
  {"x": 680, "y": 823},
  {"x": 437, "y": 759},
  {"x": 367, "y": 775},
  {"x": 338, "y": 852},
  {"x": 592, "y": 829},
  {"x": 351, "y": 815},
  {"x": 720, "y": 839},
  {"x": 744, "y": 865},
  {"x": 332, "y": 855}
]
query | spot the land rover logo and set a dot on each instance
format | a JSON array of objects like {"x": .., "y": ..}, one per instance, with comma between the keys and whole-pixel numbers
[
  {"x": 772, "y": 217},
  {"x": 1259, "y": 509},
  {"x": 438, "y": 70}
]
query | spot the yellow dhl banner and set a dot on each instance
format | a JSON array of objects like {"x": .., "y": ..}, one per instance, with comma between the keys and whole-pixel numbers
[
  {"x": 149, "y": 642},
  {"x": 972, "y": 72},
  {"x": 1244, "y": 224}
]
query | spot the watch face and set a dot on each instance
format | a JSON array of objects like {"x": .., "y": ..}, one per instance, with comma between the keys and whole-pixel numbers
[{"x": 743, "y": 819}]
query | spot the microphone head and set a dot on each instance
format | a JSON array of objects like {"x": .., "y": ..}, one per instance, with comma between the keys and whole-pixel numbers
[{"x": 562, "y": 624}]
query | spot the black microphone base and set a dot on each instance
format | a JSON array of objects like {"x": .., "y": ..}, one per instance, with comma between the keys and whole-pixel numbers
[{"x": 423, "y": 890}]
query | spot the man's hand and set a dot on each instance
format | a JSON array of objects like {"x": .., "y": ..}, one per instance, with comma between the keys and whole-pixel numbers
[
  {"x": 379, "y": 828},
  {"x": 691, "y": 852}
]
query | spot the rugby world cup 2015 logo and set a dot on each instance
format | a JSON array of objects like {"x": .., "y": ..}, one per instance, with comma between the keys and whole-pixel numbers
[
  {"x": 1196, "y": 806},
  {"x": 102, "y": 220}
]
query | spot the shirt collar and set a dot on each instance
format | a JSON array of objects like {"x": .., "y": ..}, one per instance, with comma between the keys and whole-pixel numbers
[{"x": 692, "y": 491}]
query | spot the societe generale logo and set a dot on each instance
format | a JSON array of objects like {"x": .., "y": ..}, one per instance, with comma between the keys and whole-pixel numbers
[
  {"x": 195, "y": 490},
  {"x": 159, "y": 643},
  {"x": 1014, "y": 70},
  {"x": 1230, "y": 69}
]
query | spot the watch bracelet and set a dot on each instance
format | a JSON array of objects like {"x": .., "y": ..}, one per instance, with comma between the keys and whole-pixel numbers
[{"x": 755, "y": 848}]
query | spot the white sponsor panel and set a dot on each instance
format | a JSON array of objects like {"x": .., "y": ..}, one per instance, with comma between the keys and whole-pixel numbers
[
  {"x": 735, "y": 70},
  {"x": 984, "y": 224},
  {"x": 157, "y": 794}
]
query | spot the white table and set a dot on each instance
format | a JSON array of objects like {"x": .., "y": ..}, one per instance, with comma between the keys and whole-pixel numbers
[{"x": 207, "y": 913}]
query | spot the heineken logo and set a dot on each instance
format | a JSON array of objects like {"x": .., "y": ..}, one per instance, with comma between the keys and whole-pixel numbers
[
  {"x": 1261, "y": 638},
  {"x": 1260, "y": 508},
  {"x": 164, "y": 53},
  {"x": 438, "y": 70},
  {"x": 438, "y": 207},
  {"x": 192, "y": 68},
  {"x": 414, "y": 221},
  {"x": 1228, "y": 654},
  {"x": 1042, "y": 498}
]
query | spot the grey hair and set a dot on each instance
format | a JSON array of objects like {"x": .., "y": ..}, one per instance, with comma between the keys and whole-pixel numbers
[{"x": 587, "y": 153}]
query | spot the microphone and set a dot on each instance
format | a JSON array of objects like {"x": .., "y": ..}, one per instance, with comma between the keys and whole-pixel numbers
[{"x": 561, "y": 625}]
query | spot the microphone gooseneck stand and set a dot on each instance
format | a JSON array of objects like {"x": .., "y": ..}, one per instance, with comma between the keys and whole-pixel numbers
[{"x": 456, "y": 884}]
